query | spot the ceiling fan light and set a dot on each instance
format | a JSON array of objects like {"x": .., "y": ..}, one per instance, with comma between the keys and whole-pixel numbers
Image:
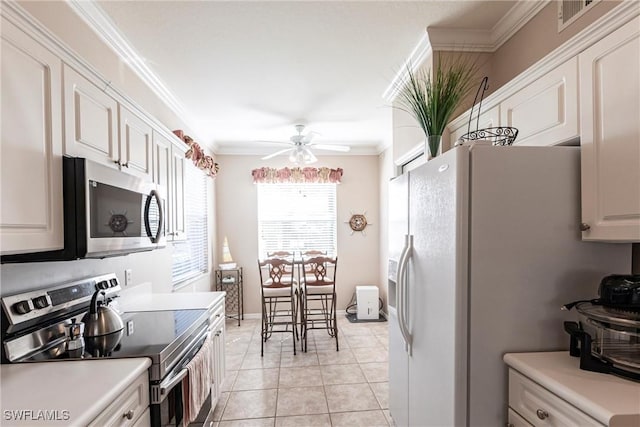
[
  {"x": 293, "y": 158},
  {"x": 308, "y": 156}
]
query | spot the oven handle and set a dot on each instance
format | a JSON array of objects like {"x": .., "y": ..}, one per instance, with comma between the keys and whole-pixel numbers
[
  {"x": 168, "y": 384},
  {"x": 164, "y": 388}
]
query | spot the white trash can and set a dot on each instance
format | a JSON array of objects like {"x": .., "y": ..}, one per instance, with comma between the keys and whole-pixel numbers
[{"x": 367, "y": 300}]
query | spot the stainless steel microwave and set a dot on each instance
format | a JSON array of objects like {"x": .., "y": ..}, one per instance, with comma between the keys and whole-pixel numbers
[{"x": 106, "y": 213}]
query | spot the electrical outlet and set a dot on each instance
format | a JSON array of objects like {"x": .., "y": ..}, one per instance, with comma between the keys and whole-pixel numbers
[
  {"x": 130, "y": 328},
  {"x": 127, "y": 277}
]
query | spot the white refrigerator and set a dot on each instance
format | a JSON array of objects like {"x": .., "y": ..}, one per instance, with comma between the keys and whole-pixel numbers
[{"x": 484, "y": 249}]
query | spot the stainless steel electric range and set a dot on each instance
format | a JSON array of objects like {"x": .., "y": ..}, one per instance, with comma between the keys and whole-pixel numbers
[{"x": 43, "y": 326}]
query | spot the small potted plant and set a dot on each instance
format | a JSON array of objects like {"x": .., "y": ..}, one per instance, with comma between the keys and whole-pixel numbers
[{"x": 432, "y": 99}]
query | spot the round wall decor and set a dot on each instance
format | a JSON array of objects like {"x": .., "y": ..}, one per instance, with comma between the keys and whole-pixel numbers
[{"x": 358, "y": 222}]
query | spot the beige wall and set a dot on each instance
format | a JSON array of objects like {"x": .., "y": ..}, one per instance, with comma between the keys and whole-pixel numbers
[
  {"x": 154, "y": 266},
  {"x": 538, "y": 38},
  {"x": 358, "y": 255}
]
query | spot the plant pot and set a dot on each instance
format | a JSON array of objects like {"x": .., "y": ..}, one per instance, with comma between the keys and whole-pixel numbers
[{"x": 432, "y": 145}]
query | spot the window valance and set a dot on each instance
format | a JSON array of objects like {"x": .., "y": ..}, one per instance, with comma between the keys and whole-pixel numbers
[{"x": 297, "y": 175}]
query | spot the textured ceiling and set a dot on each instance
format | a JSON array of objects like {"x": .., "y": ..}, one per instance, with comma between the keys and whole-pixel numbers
[{"x": 247, "y": 71}]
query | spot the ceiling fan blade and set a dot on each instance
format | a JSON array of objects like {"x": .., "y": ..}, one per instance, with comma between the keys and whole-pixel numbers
[
  {"x": 341, "y": 148},
  {"x": 308, "y": 137},
  {"x": 277, "y": 153}
]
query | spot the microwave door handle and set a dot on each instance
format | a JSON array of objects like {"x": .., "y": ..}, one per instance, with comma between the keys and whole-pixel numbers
[{"x": 147, "y": 225}]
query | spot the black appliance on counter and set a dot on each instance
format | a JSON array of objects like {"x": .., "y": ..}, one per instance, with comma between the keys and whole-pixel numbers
[
  {"x": 607, "y": 335},
  {"x": 42, "y": 326},
  {"x": 106, "y": 212}
]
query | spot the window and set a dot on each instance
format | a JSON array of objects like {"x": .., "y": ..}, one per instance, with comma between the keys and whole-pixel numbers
[
  {"x": 191, "y": 256},
  {"x": 296, "y": 217}
]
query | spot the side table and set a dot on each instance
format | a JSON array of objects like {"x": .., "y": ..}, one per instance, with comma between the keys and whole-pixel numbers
[{"x": 230, "y": 281}]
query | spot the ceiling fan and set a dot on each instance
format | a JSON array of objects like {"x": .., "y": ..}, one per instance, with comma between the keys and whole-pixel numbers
[{"x": 300, "y": 147}]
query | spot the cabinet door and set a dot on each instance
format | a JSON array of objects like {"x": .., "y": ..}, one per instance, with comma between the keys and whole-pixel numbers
[
  {"x": 91, "y": 122},
  {"x": 546, "y": 111},
  {"x": 219, "y": 357},
  {"x": 31, "y": 147},
  {"x": 135, "y": 144},
  {"x": 610, "y": 136},
  {"x": 488, "y": 119},
  {"x": 162, "y": 175},
  {"x": 178, "y": 164}
]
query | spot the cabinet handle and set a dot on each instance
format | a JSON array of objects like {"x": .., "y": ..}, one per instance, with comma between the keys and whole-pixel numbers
[
  {"x": 542, "y": 414},
  {"x": 117, "y": 162},
  {"x": 171, "y": 234},
  {"x": 218, "y": 315},
  {"x": 218, "y": 333},
  {"x": 128, "y": 415},
  {"x": 584, "y": 226},
  {"x": 126, "y": 165}
]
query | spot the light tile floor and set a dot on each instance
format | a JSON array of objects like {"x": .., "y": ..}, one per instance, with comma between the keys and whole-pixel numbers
[{"x": 322, "y": 387}]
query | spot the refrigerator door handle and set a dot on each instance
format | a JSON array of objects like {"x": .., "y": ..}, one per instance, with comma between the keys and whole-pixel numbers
[{"x": 401, "y": 291}]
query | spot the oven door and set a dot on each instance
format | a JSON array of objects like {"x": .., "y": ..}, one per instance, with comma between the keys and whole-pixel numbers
[
  {"x": 124, "y": 213},
  {"x": 167, "y": 404}
]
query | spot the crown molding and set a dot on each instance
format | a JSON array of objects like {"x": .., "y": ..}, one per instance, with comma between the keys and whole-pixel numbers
[
  {"x": 470, "y": 40},
  {"x": 460, "y": 39},
  {"x": 611, "y": 21},
  {"x": 103, "y": 26},
  {"x": 416, "y": 58},
  {"x": 467, "y": 40},
  {"x": 521, "y": 13}
]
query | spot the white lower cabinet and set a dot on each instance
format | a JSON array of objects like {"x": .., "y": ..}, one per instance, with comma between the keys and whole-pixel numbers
[
  {"x": 545, "y": 112},
  {"x": 610, "y": 136},
  {"x": 539, "y": 407},
  {"x": 144, "y": 420},
  {"x": 130, "y": 408},
  {"x": 31, "y": 209},
  {"x": 219, "y": 362},
  {"x": 515, "y": 420}
]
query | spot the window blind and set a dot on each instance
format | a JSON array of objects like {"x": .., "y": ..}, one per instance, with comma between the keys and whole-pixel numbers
[
  {"x": 296, "y": 217},
  {"x": 191, "y": 256}
]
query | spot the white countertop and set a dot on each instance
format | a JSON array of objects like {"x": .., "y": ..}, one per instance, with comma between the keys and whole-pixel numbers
[
  {"x": 74, "y": 392},
  {"x": 170, "y": 301},
  {"x": 607, "y": 398}
]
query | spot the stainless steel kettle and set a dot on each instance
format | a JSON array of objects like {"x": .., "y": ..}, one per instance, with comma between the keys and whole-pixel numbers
[{"x": 103, "y": 327}]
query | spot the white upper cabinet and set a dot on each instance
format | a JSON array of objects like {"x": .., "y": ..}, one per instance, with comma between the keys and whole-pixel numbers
[
  {"x": 177, "y": 195},
  {"x": 610, "y": 136},
  {"x": 31, "y": 216},
  {"x": 545, "y": 112},
  {"x": 162, "y": 174},
  {"x": 98, "y": 128},
  {"x": 91, "y": 120},
  {"x": 135, "y": 144}
]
